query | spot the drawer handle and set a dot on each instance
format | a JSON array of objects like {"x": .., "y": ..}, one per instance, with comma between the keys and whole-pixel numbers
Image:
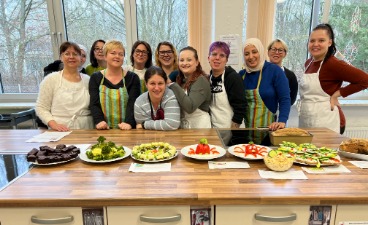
[
  {"x": 67, "y": 219},
  {"x": 167, "y": 219},
  {"x": 261, "y": 217}
]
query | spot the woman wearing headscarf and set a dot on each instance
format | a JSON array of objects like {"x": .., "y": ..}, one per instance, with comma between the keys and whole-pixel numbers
[{"x": 266, "y": 89}]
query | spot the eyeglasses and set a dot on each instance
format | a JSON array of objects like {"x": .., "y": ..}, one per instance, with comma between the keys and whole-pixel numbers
[
  {"x": 278, "y": 50},
  {"x": 98, "y": 49},
  {"x": 165, "y": 52},
  {"x": 215, "y": 54},
  {"x": 70, "y": 54},
  {"x": 160, "y": 114},
  {"x": 142, "y": 52}
]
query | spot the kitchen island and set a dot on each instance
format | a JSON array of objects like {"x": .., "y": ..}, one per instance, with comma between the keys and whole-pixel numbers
[{"x": 190, "y": 182}]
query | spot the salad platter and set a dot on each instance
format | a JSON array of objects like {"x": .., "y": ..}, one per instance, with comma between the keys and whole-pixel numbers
[
  {"x": 249, "y": 151},
  {"x": 154, "y": 152},
  {"x": 83, "y": 156}
]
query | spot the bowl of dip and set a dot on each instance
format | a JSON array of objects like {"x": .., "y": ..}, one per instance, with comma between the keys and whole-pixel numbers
[{"x": 278, "y": 161}]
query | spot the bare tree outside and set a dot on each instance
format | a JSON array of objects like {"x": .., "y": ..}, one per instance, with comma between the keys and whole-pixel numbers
[
  {"x": 164, "y": 20},
  {"x": 25, "y": 44}
]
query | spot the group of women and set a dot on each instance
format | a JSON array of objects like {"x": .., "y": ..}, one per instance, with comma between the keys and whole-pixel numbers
[{"x": 177, "y": 93}]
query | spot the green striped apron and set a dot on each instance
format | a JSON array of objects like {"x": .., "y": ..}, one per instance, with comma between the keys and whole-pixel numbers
[
  {"x": 113, "y": 103},
  {"x": 257, "y": 114}
]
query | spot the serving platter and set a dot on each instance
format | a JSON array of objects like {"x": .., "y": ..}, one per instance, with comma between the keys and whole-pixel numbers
[
  {"x": 53, "y": 163},
  {"x": 155, "y": 160},
  {"x": 215, "y": 152},
  {"x": 353, "y": 155},
  {"x": 239, "y": 151},
  {"x": 84, "y": 157}
]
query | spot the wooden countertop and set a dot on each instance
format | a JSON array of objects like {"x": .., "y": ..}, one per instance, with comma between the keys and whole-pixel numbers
[{"x": 190, "y": 182}]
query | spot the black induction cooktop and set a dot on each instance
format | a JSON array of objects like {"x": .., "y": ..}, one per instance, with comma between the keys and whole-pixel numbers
[
  {"x": 12, "y": 166},
  {"x": 234, "y": 137}
]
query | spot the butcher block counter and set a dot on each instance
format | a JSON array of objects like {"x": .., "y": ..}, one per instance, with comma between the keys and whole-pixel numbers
[{"x": 190, "y": 182}]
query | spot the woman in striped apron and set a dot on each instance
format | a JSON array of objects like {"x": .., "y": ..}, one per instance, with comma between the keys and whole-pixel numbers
[
  {"x": 266, "y": 89},
  {"x": 113, "y": 91}
]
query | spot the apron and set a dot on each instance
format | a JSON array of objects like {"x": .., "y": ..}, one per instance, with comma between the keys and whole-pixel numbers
[
  {"x": 197, "y": 119},
  {"x": 113, "y": 103},
  {"x": 220, "y": 108},
  {"x": 257, "y": 114},
  {"x": 70, "y": 104},
  {"x": 314, "y": 106},
  {"x": 140, "y": 74}
]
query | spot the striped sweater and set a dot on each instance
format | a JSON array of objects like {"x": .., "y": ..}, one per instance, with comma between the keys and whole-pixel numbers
[{"x": 142, "y": 112}]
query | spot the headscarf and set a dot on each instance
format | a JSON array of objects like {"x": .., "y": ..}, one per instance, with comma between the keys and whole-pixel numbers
[
  {"x": 82, "y": 47},
  {"x": 258, "y": 44}
]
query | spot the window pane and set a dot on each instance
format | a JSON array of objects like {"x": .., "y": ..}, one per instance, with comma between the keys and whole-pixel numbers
[
  {"x": 25, "y": 44},
  {"x": 292, "y": 25},
  {"x": 163, "y": 20},
  {"x": 349, "y": 20},
  {"x": 245, "y": 20},
  {"x": 90, "y": 20}
]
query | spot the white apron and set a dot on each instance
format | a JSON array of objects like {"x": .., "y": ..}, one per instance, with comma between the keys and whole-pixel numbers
[
  {"x": 314, "y": 109},
  {"x": 195, "y": 120},
  {"x": 220, "y": 108},
  {"x": 70, "y": 105}
]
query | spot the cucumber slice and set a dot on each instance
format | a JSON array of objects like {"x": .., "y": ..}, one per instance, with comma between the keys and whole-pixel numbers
[{"x": 272, "y": 153}]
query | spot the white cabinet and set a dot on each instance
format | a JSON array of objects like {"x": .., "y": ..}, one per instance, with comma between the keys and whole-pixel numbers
[
  {"x": 56, "y": 216},
  {"x": 143, "y": 215},
  {"x": 351, "y": 213},
  {"x": 264, "y": 215}
]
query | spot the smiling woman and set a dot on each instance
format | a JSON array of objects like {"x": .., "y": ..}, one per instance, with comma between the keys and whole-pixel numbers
[
  {"x": 157, "y": 109},
  {"x": 113, "y": 91}
]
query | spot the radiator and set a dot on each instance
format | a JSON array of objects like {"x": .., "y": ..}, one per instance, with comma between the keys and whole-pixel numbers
[{"x": 356, "y": 132}]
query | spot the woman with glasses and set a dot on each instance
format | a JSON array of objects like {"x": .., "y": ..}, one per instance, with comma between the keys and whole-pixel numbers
[
  {"x": 321, "y": 85},
  {"x": 277, "y": 51},
  {"x": 63, "y": 99},
  {"x": 141, "y": 58},
  {"x": 228, "y": 103},
  {"x": 266, "y": 89},
  {"x": 192, "y": 90},
  {"x": 157, "y": 109},
  {"x": 113, "y": 91},
  {"x": 96, "y": 58},
  {"x": 166, "y": 58}
]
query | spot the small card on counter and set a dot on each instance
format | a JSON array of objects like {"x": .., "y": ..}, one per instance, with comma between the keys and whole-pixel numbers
[
  {"x": 48, "y": 136},
  {"x": 326, "y": 169},
  {"x": 294, "y": 175},
  {"x": 360, "y": 164},
  {"x": 354, "y": 223},
  {"x": 148, "y": 168},
  {"x": 228, "y": 165}
]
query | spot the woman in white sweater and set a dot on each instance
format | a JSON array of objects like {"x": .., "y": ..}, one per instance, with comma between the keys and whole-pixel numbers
[{"x": 63, "y": 98}]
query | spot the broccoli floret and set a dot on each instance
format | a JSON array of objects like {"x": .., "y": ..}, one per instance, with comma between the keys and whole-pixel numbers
[
  {"x": 101, "y": 139},
  {"x": 106, "y": 150},
  {"x": 111, "y": 144}
]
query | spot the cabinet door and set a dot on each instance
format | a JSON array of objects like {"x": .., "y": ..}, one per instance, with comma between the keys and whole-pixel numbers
[
  {"x": 143, "y": 215},
  {"x": 264, "y": 215},
  {"x": 25, "y": 216},
  {"x": 346, "y": 213}
]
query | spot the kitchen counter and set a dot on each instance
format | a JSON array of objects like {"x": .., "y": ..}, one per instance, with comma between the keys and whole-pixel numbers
[{"x": 190, "y": 182}]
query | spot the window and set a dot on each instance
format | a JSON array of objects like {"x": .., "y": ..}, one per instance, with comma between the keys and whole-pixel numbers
[
  {"x": 90, "y": 20},
  {"x": 25, "y": 45},
  {"x": 292, "y": 23},
  {"x": 163, "y": 20}
]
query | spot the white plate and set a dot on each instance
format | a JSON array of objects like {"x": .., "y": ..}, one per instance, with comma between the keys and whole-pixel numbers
[
  {"x": 186, "y": 149},
  {"x": 231, "y": 150},
  {"x": 154, "y": 161},
  {"x": 53, "y": 163},
  {"x": 84, "y": 157},
  {"x": 353, "y": 155}
]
